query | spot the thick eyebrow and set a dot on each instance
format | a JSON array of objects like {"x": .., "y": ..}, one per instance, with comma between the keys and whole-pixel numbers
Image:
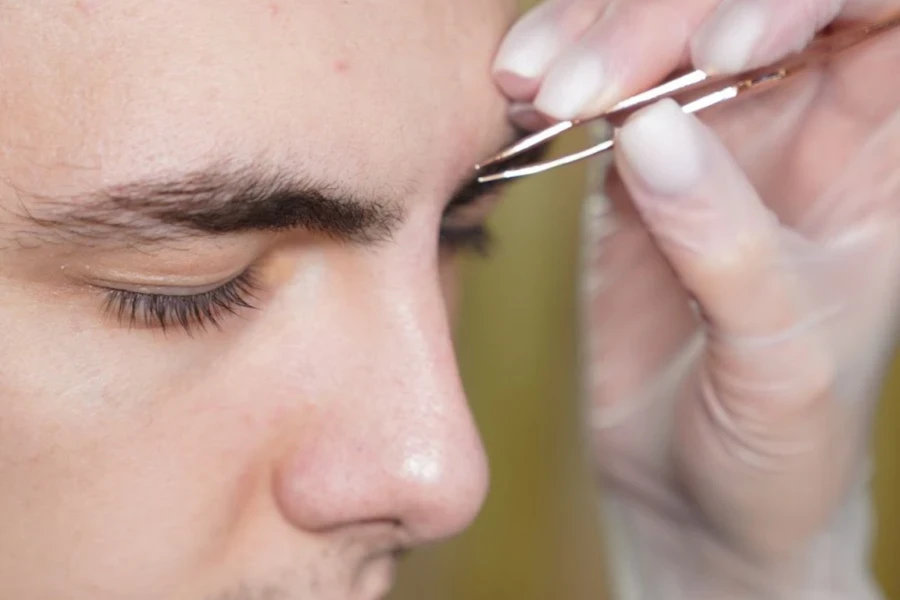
[
  {"x": 214, "y": 201},
  {"x": 222, "y": 200}
]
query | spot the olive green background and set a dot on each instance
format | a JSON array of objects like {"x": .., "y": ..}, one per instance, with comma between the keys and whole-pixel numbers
[{"x": 538, "y": 536}]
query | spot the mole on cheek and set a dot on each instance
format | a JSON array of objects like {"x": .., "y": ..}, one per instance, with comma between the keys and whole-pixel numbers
[
  {"x": 341, "y": 65},
  {"x": 86, "y": 7}
]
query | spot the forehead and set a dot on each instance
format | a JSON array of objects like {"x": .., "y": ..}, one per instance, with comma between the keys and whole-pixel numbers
[{"x": 379, "y": 92}]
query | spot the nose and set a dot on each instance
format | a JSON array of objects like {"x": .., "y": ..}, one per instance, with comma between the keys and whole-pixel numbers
[{"x": 388, "y": 436}]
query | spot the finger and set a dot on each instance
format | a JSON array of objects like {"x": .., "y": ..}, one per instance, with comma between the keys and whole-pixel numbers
[
  {"x": 537, "y": 39},
  {"x": 635, "y": 44},
  {"x": 726, "y": 248},
  {"x": 705, "y": 216},
  {"x": 744, "y": 34},
  {"x": 761, "y": 415}
]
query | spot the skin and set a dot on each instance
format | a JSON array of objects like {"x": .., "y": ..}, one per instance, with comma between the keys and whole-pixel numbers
[{"x": 296, "y": 451}]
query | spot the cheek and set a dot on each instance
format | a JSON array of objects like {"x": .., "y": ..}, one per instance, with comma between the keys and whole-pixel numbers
[
  {"x": 127, "y": 464},
  {"x": 117, "y": 500}
]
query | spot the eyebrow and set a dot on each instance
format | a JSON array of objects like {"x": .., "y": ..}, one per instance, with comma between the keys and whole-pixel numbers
[
  {"x": 215, "y": 201},
  {"x": 223, "y": 199}
]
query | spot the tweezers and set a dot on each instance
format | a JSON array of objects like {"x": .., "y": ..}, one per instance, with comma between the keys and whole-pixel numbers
[{"x": 694, "y": 91}]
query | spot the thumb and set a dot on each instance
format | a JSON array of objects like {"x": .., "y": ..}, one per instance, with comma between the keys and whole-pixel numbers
[
  {"x": 727, "y": 249},
  {"x": 754, "y": 438},
  {"x": 745, "y": 34}
]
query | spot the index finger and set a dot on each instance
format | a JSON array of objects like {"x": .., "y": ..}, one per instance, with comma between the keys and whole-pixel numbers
[{"x": 630, "y": 46}]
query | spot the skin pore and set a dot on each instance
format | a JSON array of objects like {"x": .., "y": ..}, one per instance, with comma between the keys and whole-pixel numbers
[{"x": 226, "y": 270}]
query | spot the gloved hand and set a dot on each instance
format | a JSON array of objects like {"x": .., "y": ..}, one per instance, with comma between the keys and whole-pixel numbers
[
  {"x": 571, "y": 58},
  {"x": 741, "y": 287}
]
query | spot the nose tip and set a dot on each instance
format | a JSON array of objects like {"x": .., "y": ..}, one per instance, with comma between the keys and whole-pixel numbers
[
  {"x": 450, "y": 486},
  {"x": 427, "y": 474}
]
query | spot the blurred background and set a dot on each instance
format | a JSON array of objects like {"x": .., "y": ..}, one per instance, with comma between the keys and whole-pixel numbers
[{"x": 539, "y": 537}]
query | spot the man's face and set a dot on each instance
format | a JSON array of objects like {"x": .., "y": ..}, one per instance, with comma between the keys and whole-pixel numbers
[{"x": 226, "y": 370}]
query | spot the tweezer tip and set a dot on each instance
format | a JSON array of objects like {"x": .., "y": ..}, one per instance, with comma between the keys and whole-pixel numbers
[
  {"x": 527, "y": 143},
  {"x": 497, "y": 158},
  {"x": 489, "y": 162},
  {"x": 492, "y": 178}
]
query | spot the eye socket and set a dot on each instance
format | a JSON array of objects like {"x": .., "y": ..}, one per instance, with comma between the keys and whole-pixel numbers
[
  {"x": 463, "y": 224},
  {"x": 476, "y": 238},
  {"x": 190, "y": 313},
  {"x": 462, "y": 229}
]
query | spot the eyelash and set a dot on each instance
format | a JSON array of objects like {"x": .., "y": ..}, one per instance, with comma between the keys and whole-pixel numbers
[
  {"x": 201, "y": 311},
  {"x": 190, "y": 312},
  {"x": 477, "y": 239}
]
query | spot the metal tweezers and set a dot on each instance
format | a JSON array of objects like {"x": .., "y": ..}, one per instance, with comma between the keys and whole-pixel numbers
[{"x": 694, "y": 91}]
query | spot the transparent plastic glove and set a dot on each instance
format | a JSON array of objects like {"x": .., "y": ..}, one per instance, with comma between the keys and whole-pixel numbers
[
  {"x": 741, "y": 290},
  {"x": 576, "y": 58}
]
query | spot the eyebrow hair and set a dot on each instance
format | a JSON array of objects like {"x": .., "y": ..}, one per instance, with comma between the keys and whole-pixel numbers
[
  {"x": 223, "y": 199},
  {"x": 213, "y": 201}
]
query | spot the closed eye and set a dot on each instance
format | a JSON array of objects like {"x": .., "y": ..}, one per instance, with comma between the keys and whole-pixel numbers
[
  {"x": 191, "y": 313},
  {"x": 462, "y": 228}
]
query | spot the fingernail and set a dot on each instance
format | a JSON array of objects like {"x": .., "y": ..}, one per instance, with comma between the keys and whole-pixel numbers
[
  {"x": 727, "y": 41},
  {"x": 516, "y": 86},
  {"x": 663, "y": 148},
  {"x": 526, "y": 117},
  {"x": 576, "y": 83},
  {"x": 527, "y": 51}
]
